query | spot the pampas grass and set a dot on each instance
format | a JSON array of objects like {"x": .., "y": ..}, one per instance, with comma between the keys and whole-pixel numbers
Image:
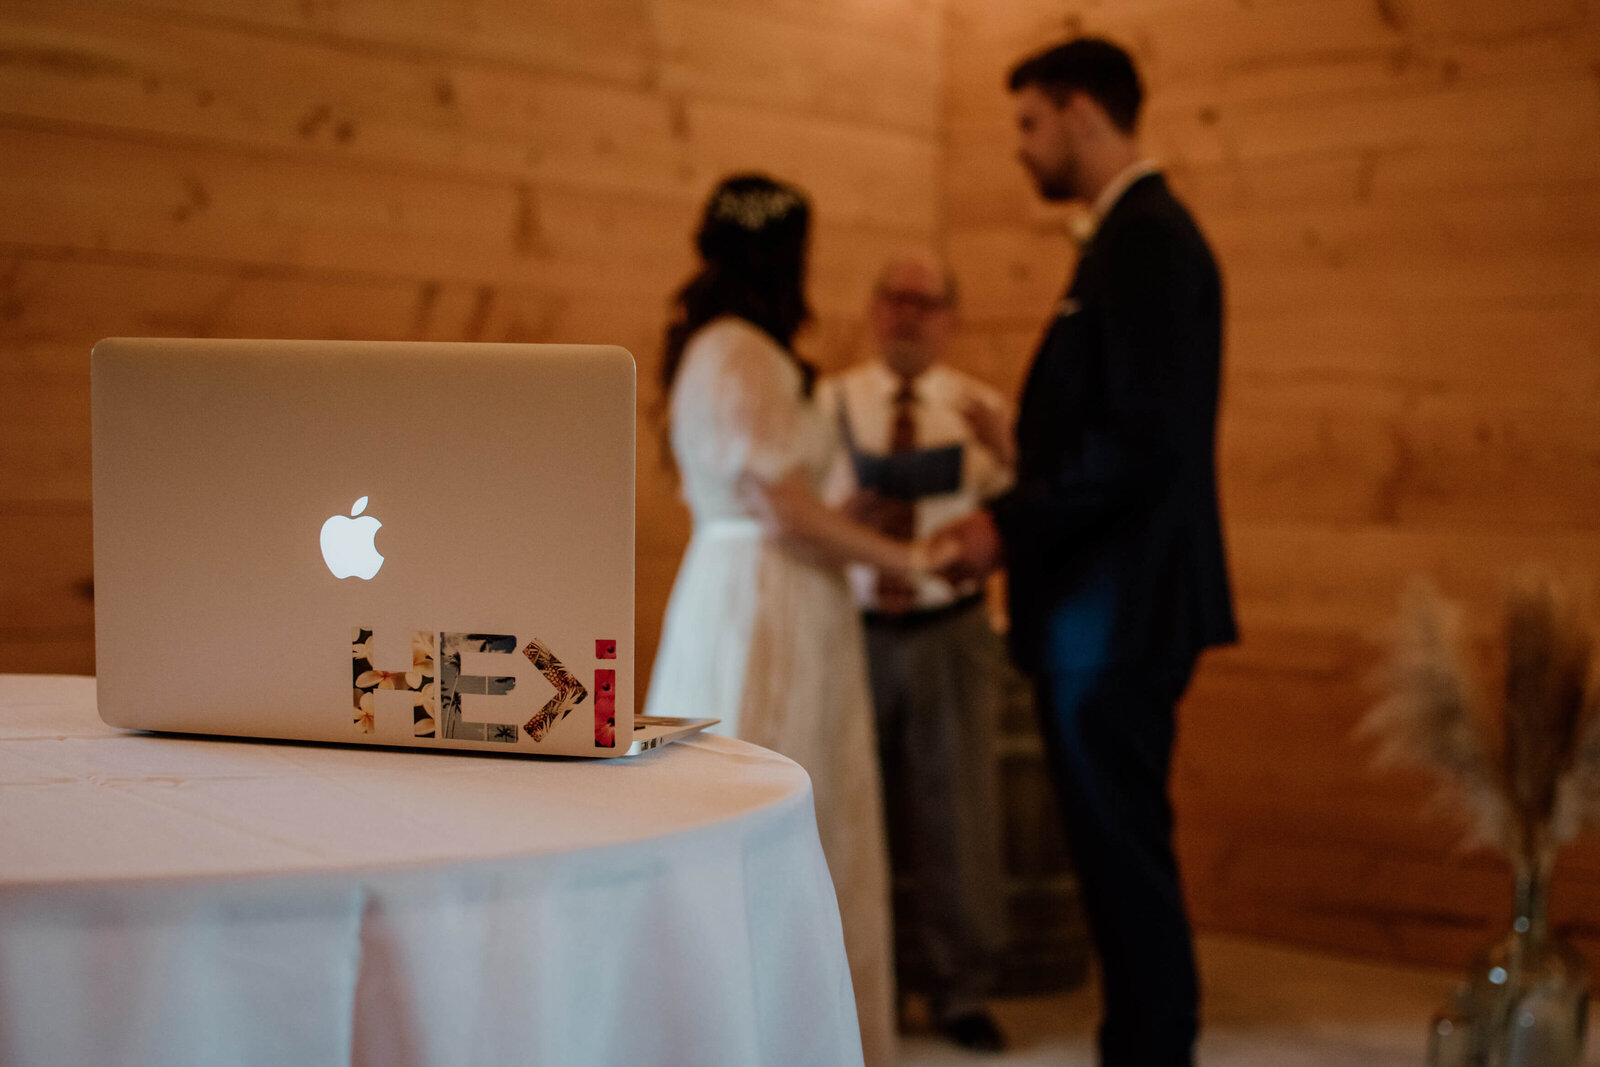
[
  {"x": 1549, "y": 648},
  {"x": 1525, "y": 776},
  {"x": 1431, "y": 716}
]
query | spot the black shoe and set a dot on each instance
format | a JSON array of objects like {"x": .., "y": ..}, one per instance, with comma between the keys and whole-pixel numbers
[{"x": 975, "y": 1031}]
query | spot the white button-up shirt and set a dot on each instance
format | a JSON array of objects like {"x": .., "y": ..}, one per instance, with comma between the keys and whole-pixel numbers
[{"x": 867, "y": 391}]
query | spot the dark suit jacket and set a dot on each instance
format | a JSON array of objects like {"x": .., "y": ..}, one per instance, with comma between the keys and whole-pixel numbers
[{"x": 1112, "y": 533}]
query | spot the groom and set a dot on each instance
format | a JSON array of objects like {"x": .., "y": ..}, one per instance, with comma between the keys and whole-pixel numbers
[{"x": 1111, "y": 537}]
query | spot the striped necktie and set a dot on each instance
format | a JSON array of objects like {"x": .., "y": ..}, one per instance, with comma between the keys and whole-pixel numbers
[{"x": 898, "y": 517}]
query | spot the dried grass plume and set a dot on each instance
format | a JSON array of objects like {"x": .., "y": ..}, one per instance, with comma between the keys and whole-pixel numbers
[
  {"x": 1535, "y": 781},
  {"x": 1549, "y": 647},
  {"x": 1431, "y": 718}
]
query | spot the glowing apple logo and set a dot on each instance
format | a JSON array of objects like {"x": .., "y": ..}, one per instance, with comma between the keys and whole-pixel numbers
[{"x": 347, "y": 544}]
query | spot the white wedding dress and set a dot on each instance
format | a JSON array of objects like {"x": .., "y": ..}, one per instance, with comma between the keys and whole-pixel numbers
[{"x": 769, "y": 640}]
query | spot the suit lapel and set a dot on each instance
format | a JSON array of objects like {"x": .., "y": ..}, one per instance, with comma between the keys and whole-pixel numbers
[{"x": 1056, "y": 380}]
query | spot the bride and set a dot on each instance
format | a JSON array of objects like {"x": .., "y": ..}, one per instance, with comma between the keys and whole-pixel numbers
[{"x": 761, "y": 630}]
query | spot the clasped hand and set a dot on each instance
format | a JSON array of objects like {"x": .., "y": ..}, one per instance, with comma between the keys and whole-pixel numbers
[{"x": 967, "y": 549}]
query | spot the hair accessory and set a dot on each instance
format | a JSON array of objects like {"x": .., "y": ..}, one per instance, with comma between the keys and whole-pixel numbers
[{"x": 752, "y": 209}]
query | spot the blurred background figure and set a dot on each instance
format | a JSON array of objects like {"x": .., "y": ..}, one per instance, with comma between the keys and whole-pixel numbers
[
  {"x": 1111, "y": 537},
  {"x": 928, "y": 445},
  {"x": 760, "y": 630}
]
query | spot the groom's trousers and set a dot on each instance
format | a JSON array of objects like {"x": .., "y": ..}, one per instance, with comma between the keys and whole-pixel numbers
[{"x": 1109, "y": 732}]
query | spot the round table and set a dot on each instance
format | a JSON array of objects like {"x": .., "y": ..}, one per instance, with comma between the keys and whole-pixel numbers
[{"x": 173, "y": 900}]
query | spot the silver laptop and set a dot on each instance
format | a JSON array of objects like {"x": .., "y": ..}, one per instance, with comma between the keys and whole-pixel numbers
[{"x": 415, "y": 544}]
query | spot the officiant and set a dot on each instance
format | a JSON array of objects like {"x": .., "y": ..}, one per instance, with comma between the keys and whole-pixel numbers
[{"x": 928, "y": 444}]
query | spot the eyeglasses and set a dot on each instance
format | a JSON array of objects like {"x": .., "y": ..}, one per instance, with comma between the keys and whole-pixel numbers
[{"x": 912, "y": 300}]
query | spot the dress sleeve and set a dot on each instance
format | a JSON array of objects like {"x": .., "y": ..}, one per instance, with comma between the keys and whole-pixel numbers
[
  {"x": 840, "y": 480},
  {"x": 753, "y": 409}
]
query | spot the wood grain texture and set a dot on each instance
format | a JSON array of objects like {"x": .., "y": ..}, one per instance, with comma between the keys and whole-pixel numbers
[
  {"x": 451, "y": 117},
  {"x": 431, "y": 170},
  {"x": 51, "y": 597}
]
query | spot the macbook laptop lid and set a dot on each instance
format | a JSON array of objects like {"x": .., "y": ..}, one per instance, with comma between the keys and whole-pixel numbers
[{"x": 387, "y": 543}]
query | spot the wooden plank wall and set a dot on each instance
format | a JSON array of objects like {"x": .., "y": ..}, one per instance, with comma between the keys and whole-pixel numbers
[
  {"x": 1405, "y": 198},
  {"x": 495, "y": 170}
]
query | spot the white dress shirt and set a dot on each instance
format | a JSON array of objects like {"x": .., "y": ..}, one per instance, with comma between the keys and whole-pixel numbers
[{"x": 867, "y": 392}]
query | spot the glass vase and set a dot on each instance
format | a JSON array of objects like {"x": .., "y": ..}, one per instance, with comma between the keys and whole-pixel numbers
[{"x": 1525, "y": 1003}]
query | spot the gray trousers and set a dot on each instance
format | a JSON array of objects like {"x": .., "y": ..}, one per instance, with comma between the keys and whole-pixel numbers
[{"x": 938, "y": 690}]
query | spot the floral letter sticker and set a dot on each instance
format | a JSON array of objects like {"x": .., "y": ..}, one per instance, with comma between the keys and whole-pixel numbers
[
  {"x": 440, "y": 716},
  {"x": 368, "y": 680},
  {"x": 452, "y": 684},
  {"x": 569, "y": 691},
  {"x": 605, "y": 696}
]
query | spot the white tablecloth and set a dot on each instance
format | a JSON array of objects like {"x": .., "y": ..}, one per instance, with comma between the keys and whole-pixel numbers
[{"x": 168, "y": 900}]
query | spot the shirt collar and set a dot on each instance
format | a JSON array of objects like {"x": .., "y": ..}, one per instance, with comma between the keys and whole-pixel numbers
[
  {"x": 888, "y": 382},
  {"x": 1113, "y": 191}
]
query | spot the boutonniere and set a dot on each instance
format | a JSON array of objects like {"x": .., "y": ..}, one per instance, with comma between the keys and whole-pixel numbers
[{"x": 1081, "y": 228}]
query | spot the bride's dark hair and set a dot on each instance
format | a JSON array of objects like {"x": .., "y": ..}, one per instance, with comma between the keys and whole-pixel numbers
[{"x": 752, "y": 243}]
